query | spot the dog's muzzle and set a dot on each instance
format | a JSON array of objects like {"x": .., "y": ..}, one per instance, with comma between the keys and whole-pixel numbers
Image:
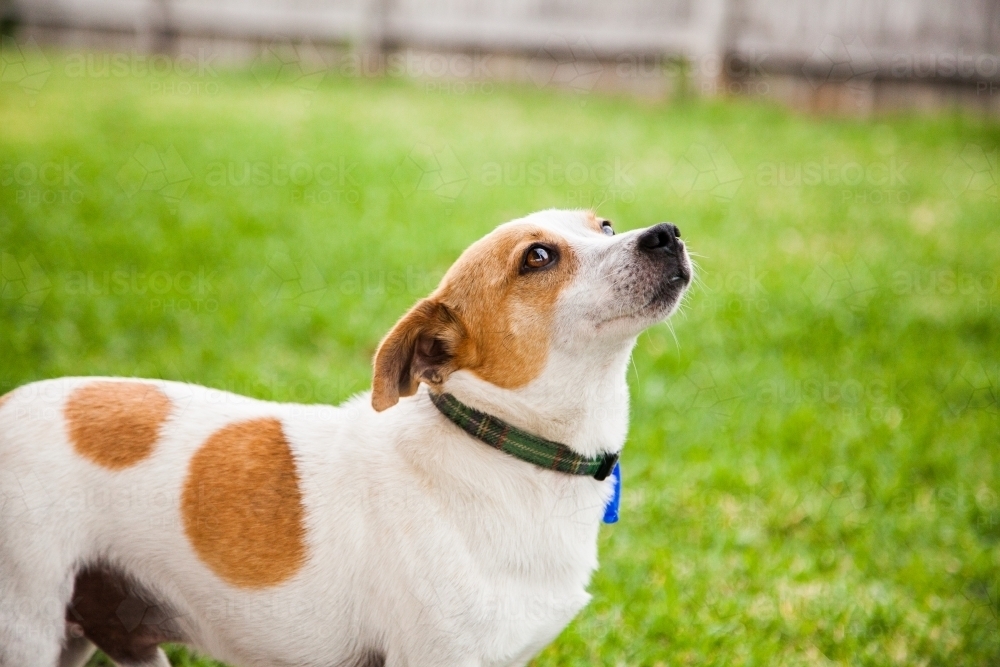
[{"x": 661, "y": 244}]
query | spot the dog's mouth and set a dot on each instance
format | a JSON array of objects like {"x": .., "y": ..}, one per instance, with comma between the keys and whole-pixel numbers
[
  {"x": 660, "y": 301},
  {"x": 670, "y": 288},
  {"x": 646, "y": 288}
]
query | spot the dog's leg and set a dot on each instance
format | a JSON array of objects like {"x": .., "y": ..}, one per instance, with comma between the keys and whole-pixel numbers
[
  {"x": 76, "y": 652},
  {"x": 160, "y": 660},
  {"x": 27, "y": 639},
  {"x": 31, "y": 618},
  {"x": 36, "y": 565},
  {"x": 79, "y": 650}
]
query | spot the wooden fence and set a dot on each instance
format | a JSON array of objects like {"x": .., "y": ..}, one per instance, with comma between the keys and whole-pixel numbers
[{"x": 789, "y": 48}]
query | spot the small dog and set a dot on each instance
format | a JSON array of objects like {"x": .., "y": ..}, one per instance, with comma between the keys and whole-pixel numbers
[{"x": 454, "y": 527}]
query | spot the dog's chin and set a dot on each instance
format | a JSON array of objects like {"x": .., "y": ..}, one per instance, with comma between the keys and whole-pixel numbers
[
  {"x": 668, "y": 293},
  {"x": 650, "y": 302},
  {"x": 656, "y": 307},
  {"x": 661, "y": 306}
]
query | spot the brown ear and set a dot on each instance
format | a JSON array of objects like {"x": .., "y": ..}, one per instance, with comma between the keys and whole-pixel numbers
[{"x": 420, "y": 348}]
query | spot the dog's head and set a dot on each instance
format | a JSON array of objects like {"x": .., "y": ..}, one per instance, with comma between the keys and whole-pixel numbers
[{"x": 554, "y": 280}]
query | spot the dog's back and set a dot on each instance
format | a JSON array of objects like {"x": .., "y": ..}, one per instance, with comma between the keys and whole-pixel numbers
[
  {"x": 141, "y": 496},
  {"x": 136, "y": 512}
]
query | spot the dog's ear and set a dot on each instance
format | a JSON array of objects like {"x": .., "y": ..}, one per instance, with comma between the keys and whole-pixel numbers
[{"x": 422, "y": 347}]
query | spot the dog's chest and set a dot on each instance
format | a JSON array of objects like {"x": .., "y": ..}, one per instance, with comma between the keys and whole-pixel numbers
[
  {"x": 511, "y": 613},
  {"x": 541, "y": 616},
  {"x": 500, "y": 579}
]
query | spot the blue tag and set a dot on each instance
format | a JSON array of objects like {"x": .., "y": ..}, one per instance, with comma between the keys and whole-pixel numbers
[{"x": 611, "y": 509}]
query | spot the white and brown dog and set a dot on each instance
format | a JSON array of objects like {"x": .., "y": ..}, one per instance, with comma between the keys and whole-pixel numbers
[{"x": 379, "y": 532}]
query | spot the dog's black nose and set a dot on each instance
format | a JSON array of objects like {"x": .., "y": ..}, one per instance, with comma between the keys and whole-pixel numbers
[{"x": 660, "y": 238}]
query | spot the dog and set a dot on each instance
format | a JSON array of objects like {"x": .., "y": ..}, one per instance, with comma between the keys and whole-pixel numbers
[{"x": 409, "y": 526}]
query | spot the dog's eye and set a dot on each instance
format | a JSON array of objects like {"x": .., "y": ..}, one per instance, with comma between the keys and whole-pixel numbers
[
  {"x": 538, "y": 257},
  {"x": 607, "y": 228}
]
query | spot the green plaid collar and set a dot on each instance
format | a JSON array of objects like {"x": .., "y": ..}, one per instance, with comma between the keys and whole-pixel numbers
[{"x": 519, "y": 444}]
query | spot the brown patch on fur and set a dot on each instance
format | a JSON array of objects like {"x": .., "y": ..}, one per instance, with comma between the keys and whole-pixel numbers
[
  {"x": 5, "y": 398},
  {"x": 242, "y": 505},
  {"x": 115, "y": 424},
  {"x": 420, "y": 348},
  {"x": 486, "y": 316}
]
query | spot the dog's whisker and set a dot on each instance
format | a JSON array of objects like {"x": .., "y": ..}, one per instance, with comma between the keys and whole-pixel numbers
[{"x": 677, "y": 343}]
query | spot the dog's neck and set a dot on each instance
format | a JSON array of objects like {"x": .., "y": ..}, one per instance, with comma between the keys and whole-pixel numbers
[{"x": 584, "y": 407}]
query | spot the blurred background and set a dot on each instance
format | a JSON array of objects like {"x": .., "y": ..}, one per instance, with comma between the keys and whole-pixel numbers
[
  {"x": 813, "y": 54},
  {"x": 247, "y": 194}
]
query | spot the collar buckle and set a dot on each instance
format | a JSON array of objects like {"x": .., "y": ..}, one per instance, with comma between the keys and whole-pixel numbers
[{"x": 607, "y": 465}]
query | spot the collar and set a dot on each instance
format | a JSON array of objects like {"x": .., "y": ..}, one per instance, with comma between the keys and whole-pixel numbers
[{"x": 520, "y": 444}]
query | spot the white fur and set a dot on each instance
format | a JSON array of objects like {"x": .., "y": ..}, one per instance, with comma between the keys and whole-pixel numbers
[{"x": 422, "y": 543}]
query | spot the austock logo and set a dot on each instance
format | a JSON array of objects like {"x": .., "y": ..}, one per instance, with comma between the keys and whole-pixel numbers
[
  {"x": 829, "y": 173},
  {"x": 151, "y": 171},
  {"x": 973, "y": 172},
  {"x": 566, "y": 64},
  {"x": 27, "y": 499},
  {"x": 294, "y": 280},
  {"x": 838, "y": 61},
  {"x": 23, "y": 65},
  {"x": 710, "y": 388},
  {"x": 739, "y": 290},
  {"x": 983, "y": 596},
  {"x": 847, "y": 495},
  {"x": 49, "y": 182},
  {"x": 448, "y": 73},
  {"x": 585, "y": 182},
  {"x": 975, "y": 387},
  {"x": 23, "y": 282},
  {"x": 326, "y": 182},
  {"x": 707, "y": 169},
  {"x": 184, "y": 74},
  {"x": 166, "y": 291},
  {"x": 836, "y": 282},
  {"x": 298, "y": 63},
  {"x": 140, "y": 65},
  {"x": 426, "y": 170}
]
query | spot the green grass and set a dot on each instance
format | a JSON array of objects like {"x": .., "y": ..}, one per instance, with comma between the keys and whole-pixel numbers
[{"x": 813, "y": 470}]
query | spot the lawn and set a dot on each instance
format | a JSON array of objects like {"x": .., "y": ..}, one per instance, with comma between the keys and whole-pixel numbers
[{"x": 813, "y": 470}]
